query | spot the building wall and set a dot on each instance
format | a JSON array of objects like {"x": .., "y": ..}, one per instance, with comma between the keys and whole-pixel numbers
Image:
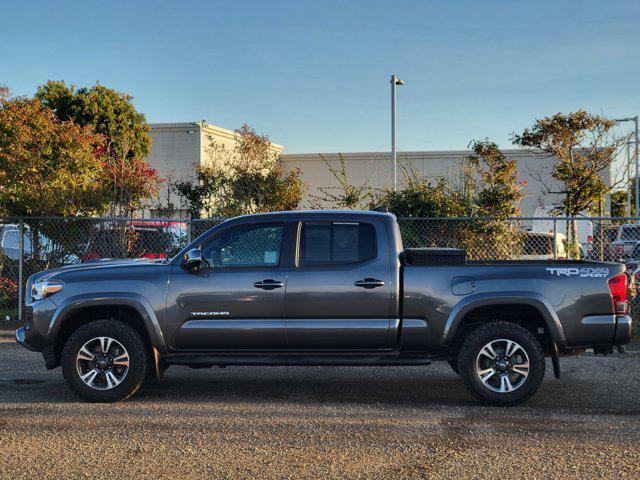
[
  {"x": 373, "y": 168},
  {"x": 177, "y": 146}
]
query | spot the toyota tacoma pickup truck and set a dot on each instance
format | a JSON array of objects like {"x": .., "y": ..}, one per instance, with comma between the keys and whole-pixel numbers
[{"x": 321, "y": 288}]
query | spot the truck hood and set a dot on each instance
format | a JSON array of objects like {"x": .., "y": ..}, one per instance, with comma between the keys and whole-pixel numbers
[{"x": 95, "y": 265}]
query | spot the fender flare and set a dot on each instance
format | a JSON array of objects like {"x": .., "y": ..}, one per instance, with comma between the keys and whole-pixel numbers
[
  {"x": 111, "y": 299},
  {"x": 533, "y": 299}
]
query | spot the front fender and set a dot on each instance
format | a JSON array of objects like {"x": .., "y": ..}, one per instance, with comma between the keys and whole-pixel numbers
[
  {"x": 111, "y": 299},
  {"x": 536, "y": 300}
]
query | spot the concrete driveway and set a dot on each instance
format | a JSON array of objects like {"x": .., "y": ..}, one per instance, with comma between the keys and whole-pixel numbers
[{"x": 324, "y": 422}]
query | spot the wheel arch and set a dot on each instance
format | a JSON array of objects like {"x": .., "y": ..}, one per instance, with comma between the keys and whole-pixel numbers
[
  {"x": 136, "y": 312},
  {"x": 533, "y": 302}
]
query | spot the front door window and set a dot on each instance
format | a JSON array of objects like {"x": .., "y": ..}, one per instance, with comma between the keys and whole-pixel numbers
[{"x": 245, "y": 246}]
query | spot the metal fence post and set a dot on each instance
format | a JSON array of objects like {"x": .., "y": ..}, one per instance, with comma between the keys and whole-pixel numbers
[
  {"x": 600, "y": 240},
  {"x": 555, "y": 239},
  {"x": 20, "y": 267}
]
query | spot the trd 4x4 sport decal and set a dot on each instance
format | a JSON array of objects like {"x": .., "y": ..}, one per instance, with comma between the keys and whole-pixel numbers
[{"x": 590, "y": 272}]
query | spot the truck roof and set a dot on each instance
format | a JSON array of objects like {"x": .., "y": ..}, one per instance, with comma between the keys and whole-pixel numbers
[{"x": 320, "y": 213}]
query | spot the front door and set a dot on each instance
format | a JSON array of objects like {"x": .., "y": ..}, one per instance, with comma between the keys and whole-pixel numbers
[
  {"x": 236, "y": 300},
  {"x": 339, "y": 293}
]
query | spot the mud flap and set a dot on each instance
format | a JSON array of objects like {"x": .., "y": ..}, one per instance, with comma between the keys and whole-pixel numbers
[
  {"x": 158, "y": 367},
  {"x": 555, "y": 359}
]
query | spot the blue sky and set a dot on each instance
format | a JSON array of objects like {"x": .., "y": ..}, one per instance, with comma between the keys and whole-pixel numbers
[{"x": 314, "y": 75}]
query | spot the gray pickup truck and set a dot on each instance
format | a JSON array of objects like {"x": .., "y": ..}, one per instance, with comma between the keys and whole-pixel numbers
[{"x": 321, "y": 288}]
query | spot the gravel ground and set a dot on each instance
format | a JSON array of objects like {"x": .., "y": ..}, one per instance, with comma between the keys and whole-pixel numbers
[{"x": 325, "y": 422}]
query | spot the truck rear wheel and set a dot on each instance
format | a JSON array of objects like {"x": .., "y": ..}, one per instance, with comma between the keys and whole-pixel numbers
[
  {"x": 501, "y": 363},
  {"x": 104, "y": 361}
]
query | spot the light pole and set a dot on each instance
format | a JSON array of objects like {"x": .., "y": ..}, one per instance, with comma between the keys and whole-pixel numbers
[
  {"x": 395, "y": 81},
  {"x": 637, "y": 180},
  {"x": 628, "y": 178}
]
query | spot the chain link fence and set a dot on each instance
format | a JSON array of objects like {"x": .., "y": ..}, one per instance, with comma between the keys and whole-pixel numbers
[{"x": 28, "y": 245}]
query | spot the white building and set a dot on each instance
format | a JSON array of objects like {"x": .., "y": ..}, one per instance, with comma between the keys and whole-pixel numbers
[
  {"x": 374, "y": 169},
  {"x": 177, "y": 147}
]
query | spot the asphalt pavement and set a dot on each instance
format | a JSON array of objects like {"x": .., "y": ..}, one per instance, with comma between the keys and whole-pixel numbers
[{"x": 321, "y": 422}]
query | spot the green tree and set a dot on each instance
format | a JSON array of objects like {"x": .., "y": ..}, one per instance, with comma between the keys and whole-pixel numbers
[
  {"x": 619, "y": 204},
  {"x": 619, "y": 200},
  {"x": 250, "y": 179},
  {"x": 200, "y": 196},
  {"x": 495, "y": 181},
  {"x": 424, "y": 197},
  {"x": 128, "y": 179},
  {"x": 259, "y": 191},
  {"x": 47, "y": 167},
  {"x": 584, "y": 145},
  {"x": 496, "y": 195},
  {"x": 257, "y": 181}
]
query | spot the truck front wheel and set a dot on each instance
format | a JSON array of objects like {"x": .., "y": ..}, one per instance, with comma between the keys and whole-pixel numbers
[
  {"x": 104, "y": 361},
  {"x": 501, "y": 363}
]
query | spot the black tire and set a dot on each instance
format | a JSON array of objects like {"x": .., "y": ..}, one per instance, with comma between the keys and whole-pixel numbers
[
  {"x": 454, "y": 366},
  {"x": 477, "y": 339},
  {"x": 137, "y": 358}
]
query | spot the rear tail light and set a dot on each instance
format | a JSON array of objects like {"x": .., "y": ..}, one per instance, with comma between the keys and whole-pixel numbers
[
  {"x": 590, "y": 239},
  {"x": 618, "y": 288}
]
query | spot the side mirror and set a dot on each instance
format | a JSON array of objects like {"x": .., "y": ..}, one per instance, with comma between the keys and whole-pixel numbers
[{"x": 192, "y": 259}]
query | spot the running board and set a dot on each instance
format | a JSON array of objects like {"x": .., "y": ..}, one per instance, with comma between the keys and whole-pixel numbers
[{"x": 204, "y": 361}]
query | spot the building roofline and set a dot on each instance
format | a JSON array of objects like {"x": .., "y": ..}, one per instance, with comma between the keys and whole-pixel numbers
[
  {"x": 207, "y": 127},
  {"x": 517, "y": 152},
  {"x": 172, "y": 124}
]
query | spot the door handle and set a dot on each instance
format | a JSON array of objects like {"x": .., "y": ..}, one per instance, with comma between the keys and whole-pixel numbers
[
  {"x": 269, "y": 284},
  {"x": 369, "y": 283}
]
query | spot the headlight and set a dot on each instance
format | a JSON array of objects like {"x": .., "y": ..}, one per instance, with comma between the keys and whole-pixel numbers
[{"x": 44, "y": 288}]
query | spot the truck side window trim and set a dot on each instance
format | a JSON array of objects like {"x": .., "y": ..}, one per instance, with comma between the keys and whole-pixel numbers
[
  {"x": 217, "y": 234},
  {"x": 333, "y": 263}
]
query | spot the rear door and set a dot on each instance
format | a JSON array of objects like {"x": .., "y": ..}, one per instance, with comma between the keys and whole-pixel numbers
[{"x": 338, "y": 292}]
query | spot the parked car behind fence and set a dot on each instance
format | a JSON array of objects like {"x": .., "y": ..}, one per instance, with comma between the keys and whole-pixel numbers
[{"x": 136, "y": 239}]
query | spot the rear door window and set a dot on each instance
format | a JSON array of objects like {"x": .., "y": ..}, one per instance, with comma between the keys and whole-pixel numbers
[{"x": 336, "y": 243}]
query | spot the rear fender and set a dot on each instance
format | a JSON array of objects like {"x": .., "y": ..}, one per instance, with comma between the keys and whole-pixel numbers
[{"x": 536, "y": 300}]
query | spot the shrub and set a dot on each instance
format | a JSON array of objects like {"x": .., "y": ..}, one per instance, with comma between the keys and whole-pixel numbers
[{"x": 8, "y": 291}]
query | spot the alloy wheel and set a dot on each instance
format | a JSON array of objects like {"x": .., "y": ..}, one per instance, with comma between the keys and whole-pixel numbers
[
  {"x": 502, "y": 365},
  {"x": 102, "y": 363}
]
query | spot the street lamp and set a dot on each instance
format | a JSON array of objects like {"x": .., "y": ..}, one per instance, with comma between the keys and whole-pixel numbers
[
  {"x": 637, "y": 181},
  {"x": 395, "y": 81}
]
